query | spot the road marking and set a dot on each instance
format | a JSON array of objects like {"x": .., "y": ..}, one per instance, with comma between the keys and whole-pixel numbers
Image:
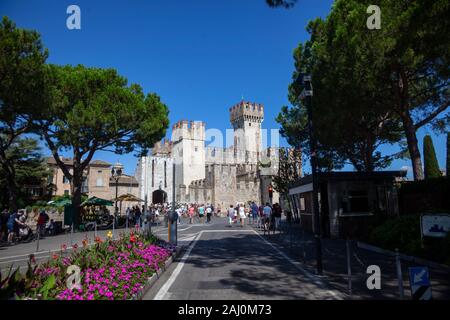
[
  {"x": 163, "y": 291},
  {"x": 165, "y": 288},
  {"x": 295, "y": 264}
]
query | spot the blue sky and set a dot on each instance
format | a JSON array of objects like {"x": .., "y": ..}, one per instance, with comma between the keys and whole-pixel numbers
[{"x": 200, "y": 56}]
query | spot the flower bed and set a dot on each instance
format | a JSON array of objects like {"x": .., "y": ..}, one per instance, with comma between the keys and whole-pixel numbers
[{"x": 109, "y": 270}]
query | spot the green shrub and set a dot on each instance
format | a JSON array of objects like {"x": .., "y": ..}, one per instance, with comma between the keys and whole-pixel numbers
[
  {"x": 404, "y": 233},
  {"x": 401, "y": 232}
]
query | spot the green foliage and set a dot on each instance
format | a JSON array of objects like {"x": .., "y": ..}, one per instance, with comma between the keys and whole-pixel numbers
[
  {"x": 24, "y": 156},
  {"x": 430, "y": 161},
  {"x": 95, "y": 109},
  {"x": 404, "y": 233},
  {"x": 447, "y": 168},
  {"x": 371, "y": 87},
  {"x": 22, "y": 96},
  {"x": 401, "y": 232},
  {"x": 289, "y": 169}
]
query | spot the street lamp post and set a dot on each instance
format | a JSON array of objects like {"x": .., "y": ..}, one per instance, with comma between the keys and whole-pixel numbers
[
  {"x": 116, "y": 173},
  {"x": 307, "y": 94}
]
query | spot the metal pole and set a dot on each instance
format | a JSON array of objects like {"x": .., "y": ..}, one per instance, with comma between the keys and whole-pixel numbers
[
  {"x": 303, "y": 244},
  {"x": 399, "y": 274},
  {"x": 349, "y": 267},
  {"x": 115, "y": 209},
  {"x": 38, "y": 237},
  {"x": 71, "y": 236},
  {"x": 173, "y": 223},
  {"x": 315, "y": 181}
]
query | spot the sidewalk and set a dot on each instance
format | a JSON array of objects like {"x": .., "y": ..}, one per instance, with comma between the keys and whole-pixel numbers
[{"x": 301, "y": 247}]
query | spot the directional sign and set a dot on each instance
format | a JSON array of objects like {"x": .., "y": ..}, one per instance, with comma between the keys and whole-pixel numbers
[{"x": 419, "y": 280}]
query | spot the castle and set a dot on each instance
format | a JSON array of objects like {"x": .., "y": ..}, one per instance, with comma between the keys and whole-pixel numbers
[{"x": 206, "y": 174}]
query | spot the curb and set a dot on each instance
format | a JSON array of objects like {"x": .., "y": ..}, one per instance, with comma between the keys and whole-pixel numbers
[
  {"x": 151, "y": 281},
  {"x": 405, "y": 257}
]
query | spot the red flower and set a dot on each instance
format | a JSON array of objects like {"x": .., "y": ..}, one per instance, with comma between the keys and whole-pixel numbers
[
  {"x": 132, "y": 237},
  {"x": 85, "y": 242},
  {"x": 98, "y": 240},
  {"x": 63, "y": 247},
  {"x": 32, "y": 258},
  {"x": 75, "y": 246},
  {"x": 55, "y": 256}
]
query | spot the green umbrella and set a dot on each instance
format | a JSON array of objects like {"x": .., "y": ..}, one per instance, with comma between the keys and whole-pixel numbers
[
  {"x": 60, "y": 202},
  {"x": 94, "y": 201}
]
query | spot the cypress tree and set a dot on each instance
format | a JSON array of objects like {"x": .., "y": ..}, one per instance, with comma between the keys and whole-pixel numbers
[
  {"x": 430, "y": 160},
  {"x": 448, "y": 155}
]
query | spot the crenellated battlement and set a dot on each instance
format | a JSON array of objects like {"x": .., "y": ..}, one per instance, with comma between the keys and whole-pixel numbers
[
  {"x": 247, "y": 111},
  {"x": 185, "y": 129},
  {"x": 163, "y": 147}
]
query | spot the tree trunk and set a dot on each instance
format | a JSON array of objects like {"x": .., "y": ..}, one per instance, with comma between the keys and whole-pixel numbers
[
  {"x": 413, "y": 146},
  {"x": 77, "y": 180},
  {"x": 10, "y": 177},
  {"x": 12, "y": 196}
]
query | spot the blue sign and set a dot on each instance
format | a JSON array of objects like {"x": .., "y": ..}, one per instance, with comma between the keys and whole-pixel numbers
[
  {"x": 419, "y": 276},
  {"x": 419, "y": 279}
]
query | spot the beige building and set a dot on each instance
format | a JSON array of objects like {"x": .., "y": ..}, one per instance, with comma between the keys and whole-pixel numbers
[{"x": 97, "y": 181}]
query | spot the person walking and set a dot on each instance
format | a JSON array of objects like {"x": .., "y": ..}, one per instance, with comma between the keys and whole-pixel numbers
[
  {"x": 260, "y": 216},
  {"x": 42, "y": 220},
  {"x": 242, "y": 215},
  {"x": 254, "y": 212},
  {"x": 201, "y": 213},
  {"x": 13, "y": 224},
  {"x": 230, "y": 214},
  {"x": 267, "y": 211},
  {"x": 277, "y": 212},
  {"x": 208, "y": 214},
  {"x": 191, "y": 212}
]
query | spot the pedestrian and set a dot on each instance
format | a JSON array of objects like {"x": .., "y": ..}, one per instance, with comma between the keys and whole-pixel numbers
[
  {"x": 267, "y": 211},
  {"x": 260, "y": 216},
  {"x": 254, "y": 212},
  {"x": 230, "y": 214},
  {"x": 208, "y": 214},
  {"x": 191, "y": 213},
  {"x": 138, "y": 216},
  {"x": 42, "y": 220},
  {"x": 242, "y": 215},
  {"x": 13, "y": 224},
  {"x": 277, "y": 212},
  {"x": 201, "y": 212}
]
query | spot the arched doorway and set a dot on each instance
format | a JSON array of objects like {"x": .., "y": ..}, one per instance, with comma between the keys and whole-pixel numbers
[{"x": 159, "y": 196}]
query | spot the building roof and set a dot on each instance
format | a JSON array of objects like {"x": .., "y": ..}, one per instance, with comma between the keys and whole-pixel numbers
[
  {"x": 349, "y": 176},
  {"x": 124, "y": 180},
  {"x": 69, "y": 162}
]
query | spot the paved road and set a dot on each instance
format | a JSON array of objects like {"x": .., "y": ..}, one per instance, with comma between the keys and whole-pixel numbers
[{"x": 235, "y": 263}]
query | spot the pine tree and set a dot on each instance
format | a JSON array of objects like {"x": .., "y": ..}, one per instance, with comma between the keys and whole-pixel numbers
[{"x": 430, "y": 160}]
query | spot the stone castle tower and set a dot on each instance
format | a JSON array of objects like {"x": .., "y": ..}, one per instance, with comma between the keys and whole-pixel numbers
[{"x": 246, "y": 119}]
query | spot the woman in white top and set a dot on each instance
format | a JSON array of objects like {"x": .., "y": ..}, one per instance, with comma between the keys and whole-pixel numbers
[{"x": 242, "y": 215}]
